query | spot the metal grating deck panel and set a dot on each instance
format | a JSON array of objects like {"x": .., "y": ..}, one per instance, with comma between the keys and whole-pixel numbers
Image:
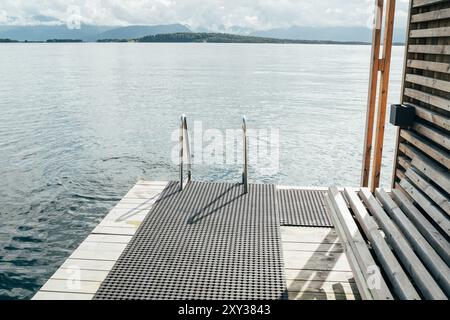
[
  {"x": 207, "y": 242},
  {"x": 303, "y": 208}
]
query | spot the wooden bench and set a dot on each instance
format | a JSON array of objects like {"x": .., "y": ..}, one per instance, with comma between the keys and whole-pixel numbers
[{"x": 397, "y": 242}]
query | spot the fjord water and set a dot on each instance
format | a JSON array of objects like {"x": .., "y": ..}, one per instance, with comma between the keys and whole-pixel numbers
[{"x": 81, "y": 123}]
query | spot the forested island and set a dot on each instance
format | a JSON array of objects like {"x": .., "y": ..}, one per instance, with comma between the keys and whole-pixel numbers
[
  {"x": 64, "y": 41},
  {"x": 192, "y": 37},
  {"x": 8, "y": 41}
]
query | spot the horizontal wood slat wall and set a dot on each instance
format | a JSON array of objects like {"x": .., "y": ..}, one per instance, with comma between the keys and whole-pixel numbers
[{"x": 423, "y": 151}]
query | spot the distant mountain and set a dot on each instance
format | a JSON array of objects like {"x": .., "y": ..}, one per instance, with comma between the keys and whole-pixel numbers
[
  {"x": 86, "y": 32},
  {"x": 134, "y": 32},
  {"x": 45, "y": 32},
  {"x": 94, "y": 33},
  {"x": 324, "y": 34}
]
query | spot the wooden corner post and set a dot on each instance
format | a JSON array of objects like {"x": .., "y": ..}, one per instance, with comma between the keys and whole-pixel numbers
[
  {"x": 382, "y": 66},
  {"x": 383, "y": 92},
  {"x": 372, "y": 97}
]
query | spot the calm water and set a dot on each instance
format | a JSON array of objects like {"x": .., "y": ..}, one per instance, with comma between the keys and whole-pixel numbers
[{"x": 80, "y": 124}]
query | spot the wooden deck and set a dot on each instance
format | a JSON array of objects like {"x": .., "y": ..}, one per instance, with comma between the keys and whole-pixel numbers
[
  {"x": 316, "y": 267},
  {"x": 315, "y": 263}
]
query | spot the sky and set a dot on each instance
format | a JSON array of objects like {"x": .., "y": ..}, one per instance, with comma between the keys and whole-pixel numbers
[{"x": 211, "y": 14}]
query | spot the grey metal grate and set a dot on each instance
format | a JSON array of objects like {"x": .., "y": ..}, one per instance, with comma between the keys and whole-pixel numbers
[
  {"x": 207, "y": 242},
  {"x": 303, "y": 208}
]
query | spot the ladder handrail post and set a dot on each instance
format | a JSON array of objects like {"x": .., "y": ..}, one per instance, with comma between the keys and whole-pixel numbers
[
  {"x": 188, "y": 149},
  {"x": 245, "y": 146},
  {"x": 184, "y": 143},
  {"x": 181, "y": 141}
]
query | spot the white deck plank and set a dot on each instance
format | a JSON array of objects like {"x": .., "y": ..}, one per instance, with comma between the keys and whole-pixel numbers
[
  {"x": 316, "y": 261},
  {"x": 106, "y": 238},
  {"x": 108, "y": 246},
  {"x": 308, "y": 246},
  {"x": 95, "y": 255},
  {"x": 114, "y": 230},
  {"x": 46, "y": 295},
  {"x": 58, "y": 285},
  {"x": 306, "y": 295},
  {"x": 318, "y": 275},
  {"x": 84, "y": 275},
  {"x": 103, "y": 265},
  {"x": 322, "y": 286},
  {"x": 309, "y": 235}
]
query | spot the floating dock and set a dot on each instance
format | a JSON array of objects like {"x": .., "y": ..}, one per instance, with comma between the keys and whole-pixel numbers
[{"x": 220, "y": 245}]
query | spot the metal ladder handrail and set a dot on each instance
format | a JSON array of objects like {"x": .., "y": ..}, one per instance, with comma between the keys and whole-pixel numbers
[
  {"x": 245, "y": 145},
  {"x": 184, "y": 140}
]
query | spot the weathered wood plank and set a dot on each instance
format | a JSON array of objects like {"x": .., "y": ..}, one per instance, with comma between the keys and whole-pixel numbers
[
  {"x": 431, "y": 16},
  {"x": 359, "y": 247},
  {"x": 422, "y": 3},
  {"x": 427, "y": 167},
  {"x": 400, "y": 175},
  {"x": 441, "y": 200},
  {"x": 425, "y": 282},
  {"x": 359, "y": 276},
  {"x": 437, "y": 154},
  {"x": 434, "y": 135},
  {"x": 436, "y": 214},
  {"x": 429, "y": 65},
  {"x": 430, "y": 99},
  {"x": 429, "y": 49},
  {"x": 430, "y": 33},
  {"x": 437, "y": 267},
  {"x": 433, "y": 236},
  {"x": 404, "y": 162},
  {"x": 436, "y": 174},
  {"x": 429, "y": 82},
  {"x": 402, "y": 285},
  {"x": 433, "y": 117}
]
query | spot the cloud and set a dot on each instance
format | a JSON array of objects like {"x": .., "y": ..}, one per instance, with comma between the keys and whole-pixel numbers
[{"x": 260, "y": 14}]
